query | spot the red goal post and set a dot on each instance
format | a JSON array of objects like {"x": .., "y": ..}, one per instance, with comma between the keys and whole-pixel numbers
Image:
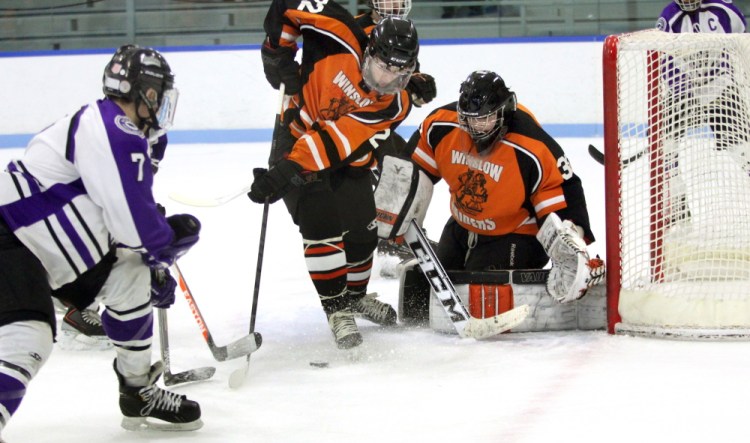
[{"x": 677, "y": 173}]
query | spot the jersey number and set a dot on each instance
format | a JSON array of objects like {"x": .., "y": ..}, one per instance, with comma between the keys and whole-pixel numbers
[
  {"x": 139, "y": 159},
  {"x": 308, "y": 5},
  {"x": 380, "y": 136},
  {"x": 563, "y": 164}
]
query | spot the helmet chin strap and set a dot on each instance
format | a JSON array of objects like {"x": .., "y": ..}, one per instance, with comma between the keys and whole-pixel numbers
[{"x": 152, "y": 121}]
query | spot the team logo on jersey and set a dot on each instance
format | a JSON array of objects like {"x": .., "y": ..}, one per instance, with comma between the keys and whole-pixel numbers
[
  {"x": 471, "y": 194},
  {"x": 661, "y": 24},
  {"x": 343, "y": 82},
  {"x": 336, "y": 108},
  {"x": 126, "y": 125}
]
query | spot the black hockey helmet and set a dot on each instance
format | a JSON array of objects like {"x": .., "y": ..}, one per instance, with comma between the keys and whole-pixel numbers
[
  {"x": 485, "y": 108},
  {"x": 132, "y": 72},
  {"x": 391, "y": 55},
  {"x": 391, "y": 8},
  {"x": 688, "y": 5}
]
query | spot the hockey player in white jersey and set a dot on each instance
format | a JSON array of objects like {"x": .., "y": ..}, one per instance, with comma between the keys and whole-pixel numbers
[{"x": 78, "y": 221}]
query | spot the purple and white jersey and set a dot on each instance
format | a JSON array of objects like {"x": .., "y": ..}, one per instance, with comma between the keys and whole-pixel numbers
[
  {"x": 82, "y": 186},
  {"x": 718, "y": 16}
]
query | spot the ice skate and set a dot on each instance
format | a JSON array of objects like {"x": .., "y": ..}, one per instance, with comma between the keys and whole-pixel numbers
[
  {"x": 371, "y": 309},
  {"x": 344, "y": 329},
  {"x": 83, "y": 330},
  {"x": 151, "y": 407}
]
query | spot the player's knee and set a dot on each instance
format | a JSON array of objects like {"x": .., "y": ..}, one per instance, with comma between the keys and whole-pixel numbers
[{"x": 25, "y": 347}]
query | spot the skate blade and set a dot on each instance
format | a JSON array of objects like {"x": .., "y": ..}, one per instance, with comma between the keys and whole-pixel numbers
[
  {"x": 75, "y": 341},
  {"x": 146, "y": 424}
]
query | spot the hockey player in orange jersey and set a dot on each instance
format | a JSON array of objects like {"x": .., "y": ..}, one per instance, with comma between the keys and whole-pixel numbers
[
  {"x": 346, "y": 96},
  {"x": 515, "y": 200}
]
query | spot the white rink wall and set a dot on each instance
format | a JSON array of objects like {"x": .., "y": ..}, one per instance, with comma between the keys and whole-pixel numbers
[{"x": 223, "y": 88}]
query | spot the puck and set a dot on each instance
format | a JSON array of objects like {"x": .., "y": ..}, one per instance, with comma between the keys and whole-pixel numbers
[{"x": 319, "y": 364}]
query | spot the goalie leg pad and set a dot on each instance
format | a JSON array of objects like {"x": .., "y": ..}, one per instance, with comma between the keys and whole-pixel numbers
[
  {"x": 487, "y": 300},
  {"x": 403, "y": 193}
]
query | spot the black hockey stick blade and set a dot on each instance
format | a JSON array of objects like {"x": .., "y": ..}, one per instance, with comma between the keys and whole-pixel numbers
[
  {"x": 599, "y": 156},
  {"x": 192, "y": 375},
  {"x": 596, "y": 154}
]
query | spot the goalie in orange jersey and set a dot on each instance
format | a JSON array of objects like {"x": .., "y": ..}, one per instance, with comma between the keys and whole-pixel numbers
[
  {"x": 347, "y": 95},
  {"x": 515, "y": 201}
]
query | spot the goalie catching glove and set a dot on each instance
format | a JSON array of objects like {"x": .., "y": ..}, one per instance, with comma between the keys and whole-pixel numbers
[{"x": 573, "y": 271}]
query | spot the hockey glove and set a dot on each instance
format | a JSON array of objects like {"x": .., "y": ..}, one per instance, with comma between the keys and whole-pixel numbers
[
  {"x": 163, "y": 286},
  {"x": 572, "y": 268},
  {"x": 422, "y": 88},
  {"x": 280, "y": 67},
  {"x": 276, "y": 182},
  {"x": 186, "y": 234}
]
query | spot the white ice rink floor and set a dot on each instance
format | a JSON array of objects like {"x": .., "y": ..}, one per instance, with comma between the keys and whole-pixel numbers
[{"x": 409, "y": 385}]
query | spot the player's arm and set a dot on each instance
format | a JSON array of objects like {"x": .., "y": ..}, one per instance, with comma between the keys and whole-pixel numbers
[
  {"x": 352, "y": 137},
  {"x": 429, "y": 138},
  {"x": 119, "y": 179}
]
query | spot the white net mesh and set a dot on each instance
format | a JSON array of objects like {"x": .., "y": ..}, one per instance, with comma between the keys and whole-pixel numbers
[{"x": 684, "y": 140}]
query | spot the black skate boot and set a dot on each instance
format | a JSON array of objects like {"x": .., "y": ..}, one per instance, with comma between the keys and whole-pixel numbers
[
  {"x": 369, "y": 308},
  {"x": 138, "y": 403},
  {"x": 83, "y": 330},
  {"x": 344, "y": 329}
]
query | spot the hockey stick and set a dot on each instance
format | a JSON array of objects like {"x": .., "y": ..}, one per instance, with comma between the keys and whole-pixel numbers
[
  {"x": 599, "y": 156},
  {"x": 198, "y": 374},
  {"x": 596, "y": 154},
  {"x": 242, "y": 346},
  {"x": 237, "y": 377},
  {"x": 208, "y": 202},
  {"x": 443, "y": 289}
]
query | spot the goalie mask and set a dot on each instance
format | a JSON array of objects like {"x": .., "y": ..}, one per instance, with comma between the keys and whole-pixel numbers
[
  {"x": 485, "y": 108},
  {"x": 688, "y": 5},
  {"x": 391, "y": 8},
  {"x": 143, "y": 76},
  {"x": 391, "y": 55}
]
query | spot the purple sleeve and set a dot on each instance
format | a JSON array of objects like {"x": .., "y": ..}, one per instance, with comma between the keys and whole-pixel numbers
[
  {"x": 130, "y": 208},
  {"x": 667, "y": 16}
]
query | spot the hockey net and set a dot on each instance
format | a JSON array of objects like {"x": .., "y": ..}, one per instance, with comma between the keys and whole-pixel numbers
[{"x": 677, "y": 169}]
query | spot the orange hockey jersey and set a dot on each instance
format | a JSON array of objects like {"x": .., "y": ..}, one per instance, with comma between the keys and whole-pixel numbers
[
  {"x": 510, "y": 187},
  {"x": 337, "y": 120}
]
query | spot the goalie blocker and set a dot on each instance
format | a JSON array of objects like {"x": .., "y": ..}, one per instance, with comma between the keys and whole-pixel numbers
[{"x": 489, "y": 293}]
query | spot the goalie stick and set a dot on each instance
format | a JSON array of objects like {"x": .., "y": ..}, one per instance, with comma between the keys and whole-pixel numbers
[
  {"x": 191, "y": 375},
  {"x": 443, "y": 289},
  {"x": 239, "y": 348}
]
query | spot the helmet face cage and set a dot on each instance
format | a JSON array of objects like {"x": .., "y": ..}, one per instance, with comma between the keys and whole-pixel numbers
[
  {"x": 485, "y": 108},
  {"x": 132, "y": 72},
  {"x": 391, "y": 55},
  {"x": 688, "y": 5},
  {"x": 391, "y": 8}
]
